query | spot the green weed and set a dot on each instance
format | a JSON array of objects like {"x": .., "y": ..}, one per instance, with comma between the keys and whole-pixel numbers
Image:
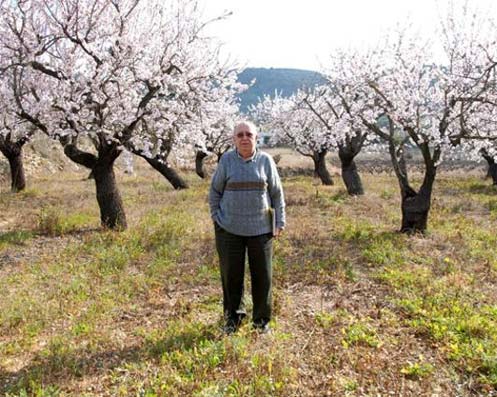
[
  {"x": 53, "y": 222},
  {"x": 387, "y": 194},
  {"x": 360, "y": 333},
  {"x": 417, "y": 370},
  {"x": 16, "y": 237},
  {"x": 324, "y": 319}
]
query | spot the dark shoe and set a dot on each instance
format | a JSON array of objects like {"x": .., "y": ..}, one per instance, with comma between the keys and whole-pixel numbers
[
  {"x": 262, "y": 328},
  {"x": 231, "y": 326}
]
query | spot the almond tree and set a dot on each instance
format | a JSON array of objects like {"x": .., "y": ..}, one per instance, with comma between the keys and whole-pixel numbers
[
  {"x": 329, "y": 117},
  {"x": 217, "y": 113},
  {"x": 195, "y": 117},
  {"x": 14, "y": 134},
  {"x": 316, "y": 121},
  {"x": 11, "y": 147},
  {"x": 490, "y": 158},
  {"x": 217, "y": 136},
  {"x": 214, "y": 110},
  {"x": 427, "y": 105},
  {"x": 294, "y": 125},
  {"x": 98, "y": 69},
  {"x": 480, "y": 139},
  {"x": 332, "y": 106}
]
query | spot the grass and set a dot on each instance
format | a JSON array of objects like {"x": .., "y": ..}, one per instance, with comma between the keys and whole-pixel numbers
[
  {"x": 15, "y": 237},
  {"x": 53, "y": 222},
  {"x": 359, "y": 309},
  {"x": 417, "y": 369}
]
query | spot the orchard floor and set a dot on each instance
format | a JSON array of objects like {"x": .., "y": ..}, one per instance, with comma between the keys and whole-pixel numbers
[{"x": 359, "y": 309}]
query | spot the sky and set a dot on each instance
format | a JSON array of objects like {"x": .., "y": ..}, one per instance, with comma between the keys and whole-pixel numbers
[{"x": 302, "y": 33}]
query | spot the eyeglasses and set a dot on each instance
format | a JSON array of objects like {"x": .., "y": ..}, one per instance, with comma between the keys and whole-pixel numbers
[{"x": 244, "y": 134}]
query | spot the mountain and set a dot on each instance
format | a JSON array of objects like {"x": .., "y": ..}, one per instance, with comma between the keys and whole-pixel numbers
[{"x": 269, "y": 81}]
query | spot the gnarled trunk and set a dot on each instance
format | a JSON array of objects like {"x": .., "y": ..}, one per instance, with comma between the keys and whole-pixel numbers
[
  {"x": 492, "y": 172},
  {"x": 492, "y": 167},
  {"x": 13, "y": 152},
  {"x": 199, "y": 163},
  {"x": 18, "y": 177},
  {"x": 159, "y": 163},
  {"x": 109, "y": 200},
  {"x": 415, "y": 210},
  {"x": 320, "y": 169},
  {"x": 169, "y": 173},
  {"x": 350, "y": 175},
  {"x": 416, "y": 206}
]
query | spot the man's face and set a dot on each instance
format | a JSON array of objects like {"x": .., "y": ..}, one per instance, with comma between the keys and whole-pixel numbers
[{"x": 245, "y": 140}]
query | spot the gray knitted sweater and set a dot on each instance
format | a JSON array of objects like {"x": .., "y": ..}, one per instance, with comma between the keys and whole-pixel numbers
[{"x": 243, "y": 192}]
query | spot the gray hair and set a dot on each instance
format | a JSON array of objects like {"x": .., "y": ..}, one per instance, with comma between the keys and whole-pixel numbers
[{"x": 251, "y": 126}]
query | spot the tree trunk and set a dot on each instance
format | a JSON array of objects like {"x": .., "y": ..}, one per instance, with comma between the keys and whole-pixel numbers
[
  {"x": 492, "y": 167},
  {"x": 199, "y": 163},
  {"x": 492, "y": 172},
  {"x": 169, "y": 173},
  {"x": 416, "y": 206},
  {"x": 320, "y": 169},
  {"x": 13, "y": 152},
  {"x": 350, "y": 176},
  {"x": 159, "y": 163},
  {"x": 415, "y": 210},
  {"x": 18, "y": 177},
  {"x": 109, "y": 200}
]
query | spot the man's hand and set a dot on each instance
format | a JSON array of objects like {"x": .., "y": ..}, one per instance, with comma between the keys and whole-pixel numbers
[{"x": 278, "y": 232}]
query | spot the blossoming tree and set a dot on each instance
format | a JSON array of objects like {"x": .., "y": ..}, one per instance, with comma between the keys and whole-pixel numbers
[
  {"x": 101, "y": 70},
  {"x": 433, "y": 106},
  {"x": 291, "y": 123},
  {"x": 14, "y": 134}
]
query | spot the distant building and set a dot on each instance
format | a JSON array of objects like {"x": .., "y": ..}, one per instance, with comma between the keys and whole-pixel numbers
[{"x": 263, "y": 138}]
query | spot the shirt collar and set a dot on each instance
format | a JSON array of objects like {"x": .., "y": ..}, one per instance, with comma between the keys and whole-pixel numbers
[{"x": 252, "y": 158}]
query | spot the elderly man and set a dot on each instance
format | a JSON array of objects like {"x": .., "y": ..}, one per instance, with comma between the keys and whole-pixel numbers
[{"x": 248, "y": 209}]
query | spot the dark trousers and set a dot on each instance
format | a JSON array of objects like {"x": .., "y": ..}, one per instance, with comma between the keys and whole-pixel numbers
[{"x": 232, "y": 250}]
